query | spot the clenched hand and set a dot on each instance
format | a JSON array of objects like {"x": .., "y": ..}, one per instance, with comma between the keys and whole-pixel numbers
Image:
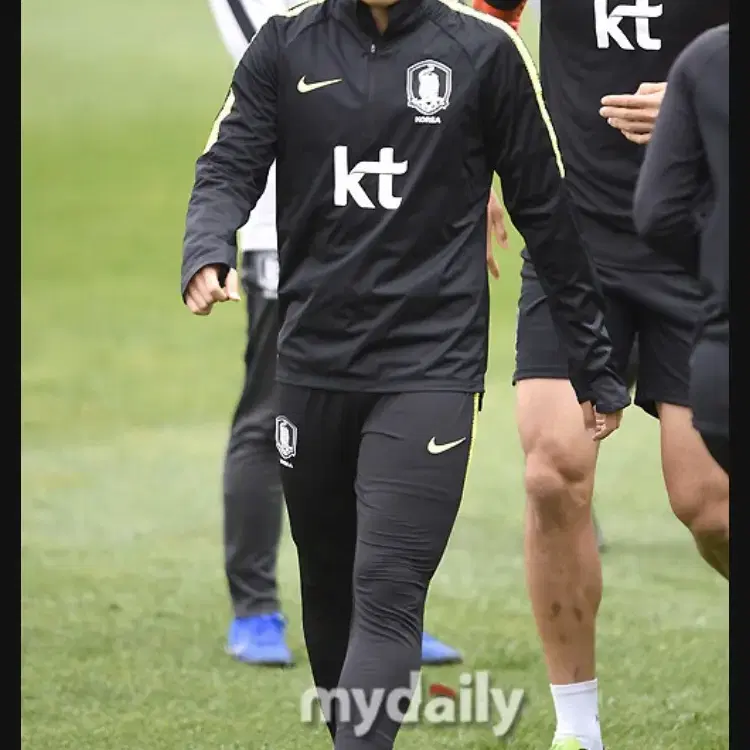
[
  {"x": 634, "y": 114},
  {"x": 205, "y": 290}
]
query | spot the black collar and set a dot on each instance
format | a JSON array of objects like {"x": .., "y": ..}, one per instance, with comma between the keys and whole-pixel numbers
[{"x": 402, "y": 16}]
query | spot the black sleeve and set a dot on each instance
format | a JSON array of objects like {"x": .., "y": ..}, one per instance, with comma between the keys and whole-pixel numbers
[
  {"x": 673, "y": 185},
  {"x": 524, "y": 153},
  {"x": 231, "y": 174}
]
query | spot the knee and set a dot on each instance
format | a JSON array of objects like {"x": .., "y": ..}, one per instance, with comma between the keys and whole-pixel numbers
[
  {"x": 325, "y": 569},
  {"x": 703, "y": 507},
  {"x": 389, "y": 596},
  {"x": 698, "y": 489},
  {"x": 558, "y": 482}
]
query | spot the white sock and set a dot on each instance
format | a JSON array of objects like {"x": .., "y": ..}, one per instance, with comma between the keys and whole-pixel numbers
[{"x": 577, "y": 709}]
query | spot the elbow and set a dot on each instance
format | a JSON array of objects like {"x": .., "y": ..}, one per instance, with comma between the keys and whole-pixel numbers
[
  {"x": 655, "y": 223},
  {"x": 669, "y": 233},
  {"x": 662, "y": 217},
  {"x": 649, "y": 218},
  {"x": 656, "y": 231},
  {"x": 651, "y": 230}
]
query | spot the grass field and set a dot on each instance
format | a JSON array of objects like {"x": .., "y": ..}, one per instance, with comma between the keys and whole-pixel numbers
[{"x": 125, "y": 405}]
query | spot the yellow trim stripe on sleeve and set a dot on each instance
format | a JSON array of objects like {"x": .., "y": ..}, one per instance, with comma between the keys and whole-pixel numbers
[
  {"x": 229, "y": 103},
  {"x": 473, "y": 433},
  {"x": 528, "y": 63},
  {"x": 225, "y": 110}
]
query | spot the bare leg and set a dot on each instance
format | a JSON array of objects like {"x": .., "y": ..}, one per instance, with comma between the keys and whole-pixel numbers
[
  {"x": 697, "y": 486},
  {"x": 562, "y": 559},
  {"x": 562, "y": 562}
]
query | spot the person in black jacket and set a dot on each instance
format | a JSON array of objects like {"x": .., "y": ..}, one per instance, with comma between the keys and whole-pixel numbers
[
  {"x": 682, "y": 210},
  {"x": 386, "y": 121},
  {"x": 253, "y": 501}
]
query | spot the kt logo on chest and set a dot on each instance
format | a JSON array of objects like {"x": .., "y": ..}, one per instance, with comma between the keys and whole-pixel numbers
[
  {"x": 428, "y": 90},
  {"x": 638, "y": 14}
]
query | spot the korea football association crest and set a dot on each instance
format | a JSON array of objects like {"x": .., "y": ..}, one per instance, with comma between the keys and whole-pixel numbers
[
  {"x": 286, "y": 441},
  {"x": 428, "y": 90}
]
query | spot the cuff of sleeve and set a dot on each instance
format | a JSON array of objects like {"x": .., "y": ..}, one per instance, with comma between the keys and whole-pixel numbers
[{"x": 607, "y": 393}]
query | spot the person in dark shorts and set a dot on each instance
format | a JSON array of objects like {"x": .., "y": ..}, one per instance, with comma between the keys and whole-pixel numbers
[
  {"x": 386, "y": 121},
  {"x": 682, "y": 210},
  {"x": 253, "y": 501},
  {"x": 604, "y": 64}
]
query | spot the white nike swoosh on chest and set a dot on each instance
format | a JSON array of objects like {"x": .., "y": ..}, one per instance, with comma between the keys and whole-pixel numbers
[{"x": 304, "y": 87}]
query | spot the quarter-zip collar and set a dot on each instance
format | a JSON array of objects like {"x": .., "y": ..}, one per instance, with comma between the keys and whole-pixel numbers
[{"x": 402, "y": 16}]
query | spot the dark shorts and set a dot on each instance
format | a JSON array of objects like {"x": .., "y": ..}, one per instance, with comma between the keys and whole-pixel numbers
[
  {"x": 709, "y": 397},
  {"x": 397, "y": 460},
  {"x": 658, "y": 310}
]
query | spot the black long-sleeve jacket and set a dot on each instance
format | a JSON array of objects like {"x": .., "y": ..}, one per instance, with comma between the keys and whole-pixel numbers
[
  {"x": 587, "y": 50},
  {"x": 682, "y": 197},
  {"x": 385, "y": 148}
]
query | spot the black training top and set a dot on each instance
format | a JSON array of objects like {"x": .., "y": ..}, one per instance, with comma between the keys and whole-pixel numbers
[
  {"x": 682, "y": 197},
  {"x": 589, "y": 49},
  {"x": 385, "y": 149}
]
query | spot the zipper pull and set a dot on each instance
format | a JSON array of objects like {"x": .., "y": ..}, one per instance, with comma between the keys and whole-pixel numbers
[{"x": 373, "y": 49}]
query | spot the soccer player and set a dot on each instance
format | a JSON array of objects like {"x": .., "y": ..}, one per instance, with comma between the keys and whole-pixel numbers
[
  {"x": 592, "y": 52},
  {"x": 386, "y": 120},
  {"x": 252, "y": 484},
  {"x": 682, "y": 209}
]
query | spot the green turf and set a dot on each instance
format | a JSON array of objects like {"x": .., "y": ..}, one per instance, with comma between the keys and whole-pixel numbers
[{"x": 125, "y": 406}]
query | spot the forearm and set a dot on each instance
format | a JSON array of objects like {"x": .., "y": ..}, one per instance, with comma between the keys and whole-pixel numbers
[
  {"x": 218, "y": 207},
  {"x": 672, "y": 194},
  {"x": 575, "y": 301},
  {"x": 673, "y": 187},
  {"x": 526, "y": 156},
  {"x": 231, "y": 174}
]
